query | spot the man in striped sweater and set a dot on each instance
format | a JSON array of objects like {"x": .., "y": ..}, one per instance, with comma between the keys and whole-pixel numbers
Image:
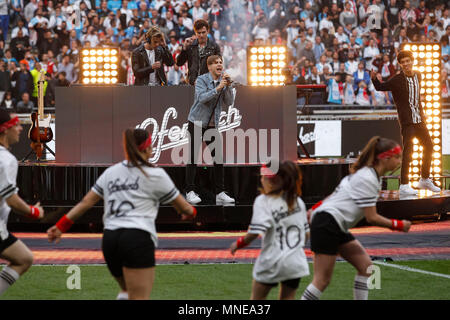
[{"x": 405, "y": 87}]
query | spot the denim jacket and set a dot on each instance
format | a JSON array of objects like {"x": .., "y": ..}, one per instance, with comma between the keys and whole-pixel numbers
[{"x": 205, "y": 98}]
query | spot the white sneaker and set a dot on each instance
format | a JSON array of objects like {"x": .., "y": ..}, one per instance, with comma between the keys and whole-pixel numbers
[
  {"x": 428, "y": 184},
  {"x": 222, "y": 198},
  {"x": 406, "y": 190},
  {"x": 193, "y": 198}
]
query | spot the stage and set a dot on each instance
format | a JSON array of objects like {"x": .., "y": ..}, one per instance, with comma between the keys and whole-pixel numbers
[
  {"x": 260, "y": 124},
  {"x": 59, "y": 186}
]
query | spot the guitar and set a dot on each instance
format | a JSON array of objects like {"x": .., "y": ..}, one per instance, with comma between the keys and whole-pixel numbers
[{"x": 40, "y": 131}]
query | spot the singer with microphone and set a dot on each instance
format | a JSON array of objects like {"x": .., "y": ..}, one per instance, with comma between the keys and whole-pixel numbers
[
  {"x": 212, "y": 92},
  {"x": 148, "y": 59}
]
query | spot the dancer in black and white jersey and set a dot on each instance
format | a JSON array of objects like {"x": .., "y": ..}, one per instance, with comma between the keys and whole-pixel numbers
[
  {"x": 354, "y": 198},
  {"x": 279, "y": 214},
  {"x": 405, "y": 87},
  {"x": 19, "y": 257},
  {"x": 132, "y": 191}
]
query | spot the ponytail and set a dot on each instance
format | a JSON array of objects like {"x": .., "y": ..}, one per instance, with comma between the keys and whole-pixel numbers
[
  {"x": 288, "y": 183},
  {"x": 368, "y": 156},
  {"x": 132, "y": 138}
]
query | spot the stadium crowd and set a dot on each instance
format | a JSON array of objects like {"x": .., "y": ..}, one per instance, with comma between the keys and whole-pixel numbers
[{"x": 330, "y": 41}]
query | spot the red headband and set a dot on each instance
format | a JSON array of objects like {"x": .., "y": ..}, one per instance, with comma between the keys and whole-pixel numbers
[
  {"x": 265, "y": 171},
  {"x": 9, "y": 124},
  {"x": 144, "y": 145},
  {"x": 390, "y": 153}
]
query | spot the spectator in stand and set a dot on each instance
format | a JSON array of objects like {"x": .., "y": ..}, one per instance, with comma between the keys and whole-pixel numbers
[
  {"x": 327, "y": 38},
  {"x": 35, "y": 73},
  {"x": 391, "y": 14},
  {"x": 68, "y": 68},
  {"x": 348, "y": 16},
  {"x": 20, "y": 26},
  {"x": 91, "y": 36},
  {"x": 421, "y": 12},
  {"x": 407, "y": 13},
  {"x": 445, "y": 85},
  {"x": 335, "y": 63},
  {"x": 335, "y": 90},
  {"x": 307, "y": 53},
  {"x": 322, "y": 63},
  {"x": 47, "y": 64},
  {"x": 364, "y": 11},
  {"x": 197, "y": 11},
  {"x": 318, "y": 48},
  {"x": 314, "y": 77},
  {"x": 4, "y": 18},
  {"x": 25, "y": 105},
  {"x": 29, "y": 10},
  {"x": 341, "y": 36},
  {"x": 361, "y": 75},
  {"x": 325, "y": 23},
  {"x": 412, "y": 28},
  {"x": 49, "y": 97},
  {"x": 62, "y": 80},
  {"x": 19, "y": 45},
  {"x": 64, "y": 51},
  {"x": 371, "y": 52},
  {"x": 9, "y": 58},
  {"x": 261, "y": 30},
  {"x": 8, "y": 102},
  {"x": 5, "y": 79},
  {"x": 334, "y": 15},
  {"x": 387, "y": 48},
  {"x": 351, "y": 65},
  {"x": 385, "y": 67}
]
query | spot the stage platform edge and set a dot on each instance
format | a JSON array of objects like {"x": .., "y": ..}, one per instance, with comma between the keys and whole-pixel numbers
[{"x": 60, "y": 186}]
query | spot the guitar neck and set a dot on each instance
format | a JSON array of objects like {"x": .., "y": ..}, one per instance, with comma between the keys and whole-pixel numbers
[{"x": 41, "y": 99}]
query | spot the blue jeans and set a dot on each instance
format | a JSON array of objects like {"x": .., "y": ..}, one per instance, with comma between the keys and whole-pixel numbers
[{"x": 4, "y": 24}]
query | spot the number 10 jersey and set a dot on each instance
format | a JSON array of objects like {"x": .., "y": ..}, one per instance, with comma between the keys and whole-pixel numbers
[
  {"x": 131, "y": 198},
  {"x": 282, "y": 256}
]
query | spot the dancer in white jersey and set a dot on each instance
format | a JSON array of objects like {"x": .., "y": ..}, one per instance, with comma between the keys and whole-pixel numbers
[
  {"x": 354, "y": 198},
  {"x": 279, "y": 214},
  {"x": 19, "y": 257},
  {"x": 132, "y": 191}
]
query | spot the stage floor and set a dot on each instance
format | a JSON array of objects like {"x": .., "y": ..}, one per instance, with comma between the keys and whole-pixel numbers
[{"x": 424, "y": 241}]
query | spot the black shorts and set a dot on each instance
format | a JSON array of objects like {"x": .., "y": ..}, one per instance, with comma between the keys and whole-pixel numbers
[
  {"x": 291, "y": 283},
  {"x": 326, "y": 235},
  {"x": 131, "y": 248},
  {"x": 4, "y": 244}
]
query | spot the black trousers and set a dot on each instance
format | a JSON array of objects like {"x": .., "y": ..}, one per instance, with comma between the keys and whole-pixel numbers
[
  {"x": 191, "y": 168},
  {"x": 420, "y": 132}
]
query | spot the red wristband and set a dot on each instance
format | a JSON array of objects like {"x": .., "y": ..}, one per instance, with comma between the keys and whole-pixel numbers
[
  {"x": 64, "y": 224},
  {"x": 34, "y": 212},
  {"x": 240, "y": 243},
  {"x": 397, "y": 224},
  {"x": 194, "y": 212},
  {"x": 316, "y": 205}
]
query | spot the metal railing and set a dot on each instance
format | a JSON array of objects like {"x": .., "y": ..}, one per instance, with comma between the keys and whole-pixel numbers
[{"x": 353, "y": 112}]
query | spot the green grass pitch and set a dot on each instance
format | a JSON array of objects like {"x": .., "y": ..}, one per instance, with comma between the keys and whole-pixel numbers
[{"x": 228, "y": 282}]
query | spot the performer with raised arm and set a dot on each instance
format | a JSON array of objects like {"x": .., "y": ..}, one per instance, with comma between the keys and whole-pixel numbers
[
  {"x": 196, "y": 51},
  {"x": 405, "y": 87},
  {"x": 148, "y": 60}
]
